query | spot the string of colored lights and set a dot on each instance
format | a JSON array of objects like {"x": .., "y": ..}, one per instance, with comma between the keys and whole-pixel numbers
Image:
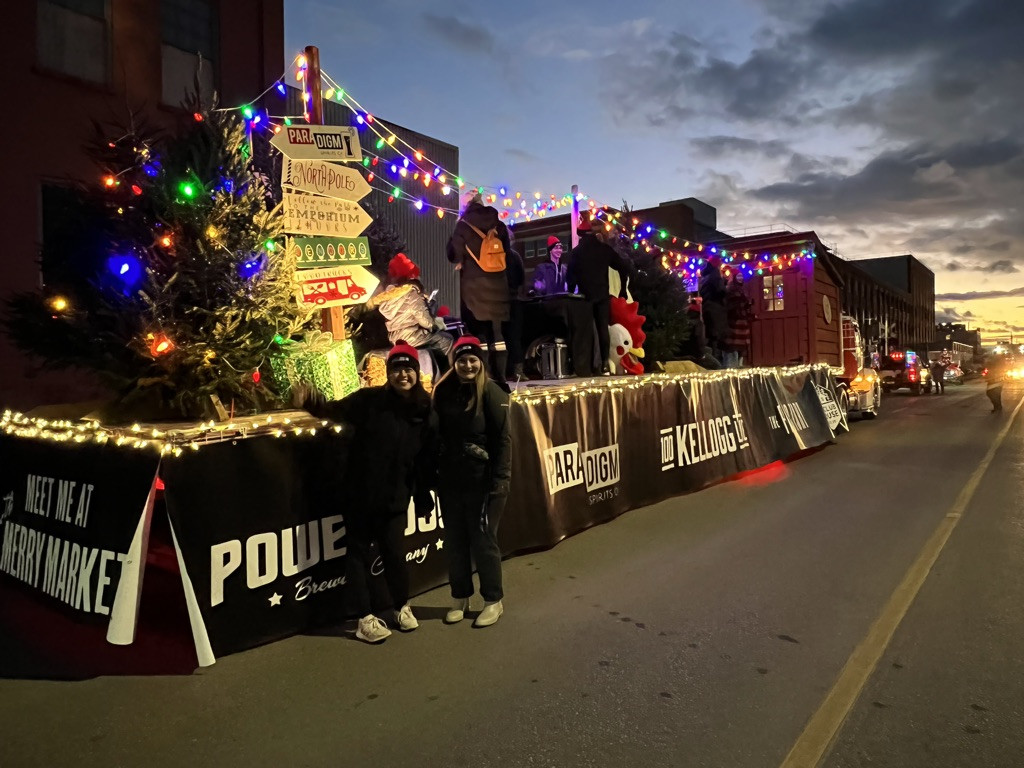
[
  {"x": 164, "y": 441},
  {"x": 686, "y": 261},
  {"x": 171, "y": 441}
]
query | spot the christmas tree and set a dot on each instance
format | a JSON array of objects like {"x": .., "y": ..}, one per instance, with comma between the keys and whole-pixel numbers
[
  {"x": 663, "y": 300},
  {"x": 169, "y": 278}
]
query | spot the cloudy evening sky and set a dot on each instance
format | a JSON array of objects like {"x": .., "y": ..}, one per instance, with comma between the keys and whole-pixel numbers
[{"x": 888, "y": 126}]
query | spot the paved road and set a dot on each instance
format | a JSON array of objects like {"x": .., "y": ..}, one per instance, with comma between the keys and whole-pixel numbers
[{"x": 703, "y": 631}]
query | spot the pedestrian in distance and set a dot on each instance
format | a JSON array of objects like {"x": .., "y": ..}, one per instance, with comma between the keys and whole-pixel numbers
[
  {"x": 478, "y": 248},
  {"x": 396, "y": 420},
  {"x": 994, "y": 383},
  {"x": 474, "y": 470},
  {"x": 938, "y": 371}
]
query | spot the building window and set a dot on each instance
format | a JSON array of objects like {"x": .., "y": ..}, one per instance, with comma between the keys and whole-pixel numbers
[
  {"x": 190, "y": 48},
  {"x": 73, "y": 38},
  {"x": 774, "y": 293}
]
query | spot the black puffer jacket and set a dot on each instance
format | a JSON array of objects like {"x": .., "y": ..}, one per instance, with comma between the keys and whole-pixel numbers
[
  {"x": 488, "y": 429},
  {"x": 485, "y": 294},
  {"x": 390, "y": 444}
]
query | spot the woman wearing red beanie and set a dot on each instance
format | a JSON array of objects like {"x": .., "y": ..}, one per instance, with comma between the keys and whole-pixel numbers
[
  {"x": 474, "y": 470},
  {"x": 397, "y": 421}
]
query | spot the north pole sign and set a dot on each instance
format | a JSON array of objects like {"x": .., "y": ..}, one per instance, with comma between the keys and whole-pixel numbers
[
  {"x": 329, "y": 251},
  {"x": 320, "y": 178},
  {"x": 313, "y": 215},
  {"x": 334, "y": 286},
  {"x": 318, "y": 142}
]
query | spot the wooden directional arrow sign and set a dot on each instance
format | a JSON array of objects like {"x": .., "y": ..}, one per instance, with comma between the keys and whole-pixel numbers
[
  {"x": 334, "y": 286},
  {"x": 320, "y": 178},
  {"x": 312, "y": 215},
  {"x": 318, "y": 142},
  {"x": 329, "y": 251}
]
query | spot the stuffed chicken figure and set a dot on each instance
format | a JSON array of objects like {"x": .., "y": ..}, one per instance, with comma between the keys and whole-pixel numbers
[{"x": 626, "y": 336}]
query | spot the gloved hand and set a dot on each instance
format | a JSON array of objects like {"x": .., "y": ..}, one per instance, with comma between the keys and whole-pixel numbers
[{"x": 439, "y": 324}]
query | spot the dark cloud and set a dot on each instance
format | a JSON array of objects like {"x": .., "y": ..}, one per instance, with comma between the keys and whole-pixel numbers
[
  {"x": 522, "y": 155},
  {"x": 717, "y": 146},
  {"x": 975, "y": 295},
  {"x": 1002, "y": 265},
  {"x": 460, "y": 34}
]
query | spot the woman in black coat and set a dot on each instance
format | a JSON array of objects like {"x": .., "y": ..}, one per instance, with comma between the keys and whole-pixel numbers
[
  {"x": 474, "y": 470},
  {"x": 484, "y": 295},
  {"x": 397, "y": 421}
]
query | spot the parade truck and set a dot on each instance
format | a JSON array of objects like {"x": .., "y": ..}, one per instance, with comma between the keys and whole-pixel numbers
[{"x": 797, "y": 315}]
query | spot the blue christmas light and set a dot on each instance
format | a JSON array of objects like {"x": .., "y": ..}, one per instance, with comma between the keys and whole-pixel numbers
[
  {"x": 127, "y": 269},
  {"x": 281, "y": 88},
  {"x": 252, "y": 266}
]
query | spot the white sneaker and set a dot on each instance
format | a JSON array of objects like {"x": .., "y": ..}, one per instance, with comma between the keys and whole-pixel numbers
[
  {"x": 458, "y": 611},
  {"x": 372, "y": 630},
  {"x": 489, "y": 615},
  {"x": 406, "y": 621}
]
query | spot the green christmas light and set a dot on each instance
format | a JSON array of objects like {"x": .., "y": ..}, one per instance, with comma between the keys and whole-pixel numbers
[
  {"x": 663, "y": 234},
  {"x": 278, "y": 338},
  {"x": 187, "y": 190},
  {"x": 247, "y": 111},
  {"x": 380, "y": 143},
  {"x": 396, "y": 192},
  {"x": 287, "y": 121},
  {"x": 366, "y": 161},
  {"x": 271, "y": 245}
]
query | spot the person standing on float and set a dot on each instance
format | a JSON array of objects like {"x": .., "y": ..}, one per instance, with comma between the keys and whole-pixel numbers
[
  {"x": 390, "y": 441},
  {"x": 589, "y": 263},
  {"x": 485, "y": 295},
  {"x": 474, "y": 471}
]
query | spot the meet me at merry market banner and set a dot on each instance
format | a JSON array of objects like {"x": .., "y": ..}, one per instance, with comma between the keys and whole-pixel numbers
[{"x": 259, "y": 524}]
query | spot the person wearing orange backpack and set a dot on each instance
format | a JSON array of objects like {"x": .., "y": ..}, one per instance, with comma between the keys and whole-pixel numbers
[{"x": 478, "y": 248}]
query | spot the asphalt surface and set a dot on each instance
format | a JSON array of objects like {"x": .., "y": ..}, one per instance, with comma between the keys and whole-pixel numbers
[{"x": 702, "y": 631}]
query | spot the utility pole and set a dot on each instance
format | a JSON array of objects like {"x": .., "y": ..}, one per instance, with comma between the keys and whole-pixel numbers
[{"x": 574, "y": 237}]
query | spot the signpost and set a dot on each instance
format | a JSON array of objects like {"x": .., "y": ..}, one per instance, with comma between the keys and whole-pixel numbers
[
  {"x": 320, "y": 178},
  {"x": 313, "y": 215},
  {"x": 334, "y": 286},
  {"x": 318, "y": 142},
  {"x": 329, "y": 251}
]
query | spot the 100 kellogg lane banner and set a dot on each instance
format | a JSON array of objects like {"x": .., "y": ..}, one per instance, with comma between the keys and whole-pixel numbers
[{"x": 73, "y": 525}]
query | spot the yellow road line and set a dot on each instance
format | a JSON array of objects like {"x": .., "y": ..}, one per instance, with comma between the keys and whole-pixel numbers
[{"x": 823, "y": 726}]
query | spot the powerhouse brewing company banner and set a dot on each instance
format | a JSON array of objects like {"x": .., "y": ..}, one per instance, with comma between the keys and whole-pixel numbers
[
  {"x": 261, "y": 539},
  {"x": 260, "y": 526},
  {"x": 74, "y": 523}
]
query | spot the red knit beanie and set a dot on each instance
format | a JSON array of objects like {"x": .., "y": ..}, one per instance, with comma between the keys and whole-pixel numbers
[
  {"x": 402, "y": 268},
  {"x": 467, "y": 345},
  {"x": 583, "y": 226},
  {"x": 403, "y": 355},
  {"x": 553, "y": 241}
]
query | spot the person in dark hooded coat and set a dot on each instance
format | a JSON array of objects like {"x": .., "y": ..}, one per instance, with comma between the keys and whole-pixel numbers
[{"x": 485, "y": 295}]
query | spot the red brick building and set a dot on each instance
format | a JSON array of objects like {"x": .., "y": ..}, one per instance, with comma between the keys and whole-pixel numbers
[{"x": 73, "y": 61}]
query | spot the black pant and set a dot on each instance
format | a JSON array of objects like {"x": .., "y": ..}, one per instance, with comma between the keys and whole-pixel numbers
[
  {"x": 465, "y": 540},
  {"x": 995, "y": 394},
  {"x": 602, "y": 310},
  {"x": 484, "y": 330},
  {"x": 389, "y": 533},
  {"x": 512, "y": 333}
]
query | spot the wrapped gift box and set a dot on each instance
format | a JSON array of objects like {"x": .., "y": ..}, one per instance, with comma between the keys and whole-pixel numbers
[{"x": 319, "y": 360}]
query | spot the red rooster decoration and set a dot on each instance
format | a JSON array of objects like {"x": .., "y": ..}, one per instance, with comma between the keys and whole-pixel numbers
[{"x": 626, "y": 336}]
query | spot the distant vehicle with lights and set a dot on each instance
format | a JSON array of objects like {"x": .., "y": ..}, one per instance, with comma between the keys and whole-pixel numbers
[
  {"x": 860, "y": 386},
  {"x": 953, "y": 375},
  {"x": 904, "y": 369}
]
